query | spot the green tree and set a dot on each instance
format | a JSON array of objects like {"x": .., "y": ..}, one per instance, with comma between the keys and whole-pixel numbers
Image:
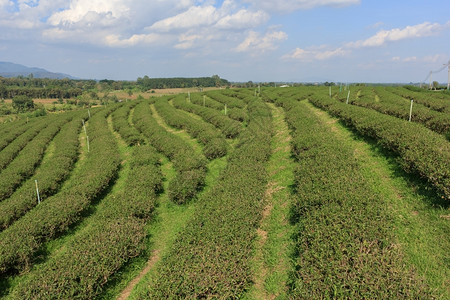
[
  {"x": 22, "y": 103},
  {"x": 435, "y": 85}
]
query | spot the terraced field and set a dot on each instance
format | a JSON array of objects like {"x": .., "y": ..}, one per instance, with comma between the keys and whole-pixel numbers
[{"x": 288, "y": 194}]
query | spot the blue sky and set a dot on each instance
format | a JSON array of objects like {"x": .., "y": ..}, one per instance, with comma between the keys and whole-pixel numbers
[{"x": 240, "y": 40}]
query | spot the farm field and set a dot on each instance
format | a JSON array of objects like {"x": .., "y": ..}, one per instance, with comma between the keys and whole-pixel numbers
[{"x": 290, "y": 193}]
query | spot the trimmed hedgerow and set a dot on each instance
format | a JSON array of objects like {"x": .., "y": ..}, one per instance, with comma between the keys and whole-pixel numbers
[
  {"x": 230, "y": 128},
  {"x": 214, "y": 142},
  {"x": 120, "y": 124},
  {"x": 18, "y": 142},
  {"x": 397, "y": 106},
  {"x": 25, "y": 163},
  {"x": 191, "y": 168},
  {"x": 231, "y": 102},
  {"x": 420, "y": 150},
  {"x": 345, "y": 247},
  {"x": 115, "y": 235},
  {"x": 20, "y": 241},
  {"x": 211, "y": 256},
  {"x": 51, "y": 175}
]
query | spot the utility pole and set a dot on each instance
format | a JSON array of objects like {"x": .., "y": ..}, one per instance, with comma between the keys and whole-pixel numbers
[
  {"x": 448, "y": 78},
  {"x": 431, "y": 80}
]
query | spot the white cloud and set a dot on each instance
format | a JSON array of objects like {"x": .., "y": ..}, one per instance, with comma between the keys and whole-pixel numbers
[
  {"x": 258, "y": 43},
  {"x": 148, "y": 39},
  {"x": 293, "y": 5},
  {"x": 243, "y": 19},
  {"x": 203, "y": 16},
  {"x": 82, "y": 9},
  {"x": 314, "y": 54},
  {"x": 384, "y": 36},
  {"x": 194, "y": 17},
  {"x": 377, "y": 40}
]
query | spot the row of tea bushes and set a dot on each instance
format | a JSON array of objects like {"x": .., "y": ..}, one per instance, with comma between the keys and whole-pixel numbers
[
  {"x": 54, "y": 216},
  {"x": 51, "y": 174},
  {"x": 115, "y": 235},
  {"x": 211, "y": 257},
  {"x": 191, "y": 168},
  {"x": 345, "y": 247},
  {"x": 420, "y": 150},
  {"x": 214, "y": 142}
]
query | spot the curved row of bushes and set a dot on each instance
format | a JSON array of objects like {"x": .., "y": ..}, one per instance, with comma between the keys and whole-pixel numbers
[
  {"x": 426, "y": 98},
  {"x": 55, "y": 215},
  {"x": 397, "y": 106},
  {"x": 214, "y": 142},
  {"x": 230, "y": 128},
  {"x": 234, "y": 113},
  {"x": 121, "y": 124},
  {"x": 211, "y": 257},
  {"x": 116, "y": 234},
  {"x": 420, "y": 150},
  {"x": 25, "y": 163},
  {"x": 17, "y": 142},
  {"x": 11, "y": 131},
  {"x": 191, "y": 169},
  {"x": 231, "y": 102},
  {"x": 51, "y": 174},
  {"x": 345, "y": 247}
]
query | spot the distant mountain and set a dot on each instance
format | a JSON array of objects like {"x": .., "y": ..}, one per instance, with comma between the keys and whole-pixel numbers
[{"x": 8, "y": 69}]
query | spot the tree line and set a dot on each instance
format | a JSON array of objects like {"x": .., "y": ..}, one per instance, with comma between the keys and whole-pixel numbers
[{"x": 39, "y": 88}]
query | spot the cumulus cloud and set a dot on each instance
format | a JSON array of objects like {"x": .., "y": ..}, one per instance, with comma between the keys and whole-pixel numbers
[
  {"x": 202, "y": 16},
  {"x": 256, "y": 42},
  {"x": 315, "y": 54},
  {"x": 384, "y": 36},
  {"x": 379, "y": 39},
  {"x": 94, "y": 9},
  {"x": 293, "y": 5},
  {"x": 194, "y": 17}
]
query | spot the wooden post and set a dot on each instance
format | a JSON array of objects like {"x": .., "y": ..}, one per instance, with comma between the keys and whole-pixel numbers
[
  {"x": 87, "y": 140},
  {"x": 84, "y": 127},
  {"x": 204, "y": 100},
  {"x": 348, "y": 96},
  {"x": 410, "y": 110},
  {"x": 37, "y": 191}
]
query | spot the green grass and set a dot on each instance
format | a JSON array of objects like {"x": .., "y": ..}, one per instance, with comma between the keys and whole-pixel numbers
[
  {"x": 420, "y": 222},
  {"x": 182, "y": 133},
  {"x": 271, "y": 263},
  {"x": 56, "y": 245},
  {"x": 169, "y": 219},
  {"x": 172, "y": 218}
]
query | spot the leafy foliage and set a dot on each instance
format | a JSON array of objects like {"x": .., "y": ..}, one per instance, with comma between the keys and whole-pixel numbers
[
  {"x": 19, "y": 242},
  {"x": 51, "y": 174},
  {"x": 344, "y": 244},
  {"x": 116, "y": 235},
  {"x": 207, "y": 134},
  {"x": 211, "y": 257},
  {"x": 420, "y": 150},
  {"x": 190, "y": 168}
]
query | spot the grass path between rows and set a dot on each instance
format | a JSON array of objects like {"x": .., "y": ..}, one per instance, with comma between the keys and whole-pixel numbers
[
  {"x": 53, "y": 247},
  {"x": 422, "y": 221},
  {"x": 271, "y": 263},
  {"x": 169, "y": 218},
  {"x": 182, "y": 133}
]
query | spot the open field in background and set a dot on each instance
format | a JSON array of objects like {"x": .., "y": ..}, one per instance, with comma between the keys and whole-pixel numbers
[{"x": 292, "y": 193}]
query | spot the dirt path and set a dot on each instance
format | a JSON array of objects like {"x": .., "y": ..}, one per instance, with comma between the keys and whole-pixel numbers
[{"x": 151, "y": 262}]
